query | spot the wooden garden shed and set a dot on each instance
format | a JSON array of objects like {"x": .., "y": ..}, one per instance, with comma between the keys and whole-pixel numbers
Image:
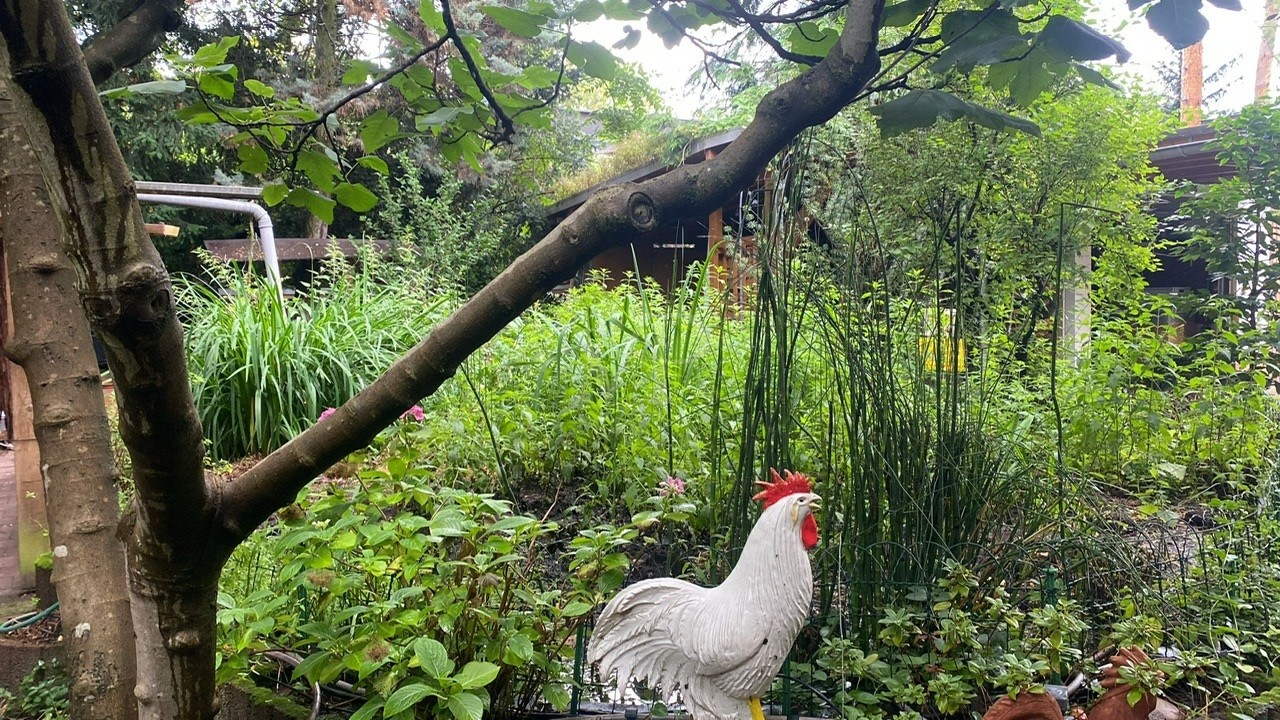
[{"x": 667, "y": 254}]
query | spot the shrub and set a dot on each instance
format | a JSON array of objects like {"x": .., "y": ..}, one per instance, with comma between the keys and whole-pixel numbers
[{"x": 428, "y": 598}]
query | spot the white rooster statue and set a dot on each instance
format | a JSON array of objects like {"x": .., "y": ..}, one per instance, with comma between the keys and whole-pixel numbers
[{"x": 721, "y": 646}]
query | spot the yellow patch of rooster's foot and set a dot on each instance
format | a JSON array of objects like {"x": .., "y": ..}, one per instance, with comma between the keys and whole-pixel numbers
[{"x": 757, "y": 712}]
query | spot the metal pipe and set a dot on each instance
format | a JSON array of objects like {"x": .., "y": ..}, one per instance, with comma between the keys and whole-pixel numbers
[{"x": 266, "y": 234}]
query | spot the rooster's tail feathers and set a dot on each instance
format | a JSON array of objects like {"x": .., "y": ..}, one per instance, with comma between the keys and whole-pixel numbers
[{"x": 635, "y": 633}]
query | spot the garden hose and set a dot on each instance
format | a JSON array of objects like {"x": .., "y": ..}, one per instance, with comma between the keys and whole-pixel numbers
[{"x": 27, "y": 620}]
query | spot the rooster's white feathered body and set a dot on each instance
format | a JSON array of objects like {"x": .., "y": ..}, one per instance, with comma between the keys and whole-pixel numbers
[{"x": 720, "y": 646}]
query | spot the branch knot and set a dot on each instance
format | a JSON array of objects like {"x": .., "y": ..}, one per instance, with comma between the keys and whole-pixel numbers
[{"x": 644, "y": 215}]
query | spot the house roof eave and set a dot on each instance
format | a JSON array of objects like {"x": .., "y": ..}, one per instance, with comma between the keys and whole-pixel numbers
[{"x": 654, "y": 168}]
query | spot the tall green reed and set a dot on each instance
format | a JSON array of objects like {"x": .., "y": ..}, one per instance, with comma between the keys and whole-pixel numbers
[{"x": 851, "y": 379}]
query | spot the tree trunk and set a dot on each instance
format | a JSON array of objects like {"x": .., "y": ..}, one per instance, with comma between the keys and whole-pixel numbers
[
  {"x": 128, "y": 300},
  {"x": 52, "y": 344}
]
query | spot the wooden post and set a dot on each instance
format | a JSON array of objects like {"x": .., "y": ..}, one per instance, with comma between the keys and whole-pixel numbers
[
  {"x": 717, "y": 264},
  {"x": 1192, "y": 85},
  {"x": 715, "y": 249},
  {"x": 1266, "y": 51}
]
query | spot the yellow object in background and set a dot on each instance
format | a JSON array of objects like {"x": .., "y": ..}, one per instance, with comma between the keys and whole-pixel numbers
[{"x": 952, "y": 350}]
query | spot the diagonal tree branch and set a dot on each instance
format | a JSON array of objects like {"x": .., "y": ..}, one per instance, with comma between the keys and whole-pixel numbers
[
  {"x": 132, "y": 39},
  {"x": 612, "y": 217}
]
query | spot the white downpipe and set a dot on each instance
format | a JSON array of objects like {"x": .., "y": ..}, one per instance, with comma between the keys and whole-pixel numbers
[{"x": 266, "y": 234}]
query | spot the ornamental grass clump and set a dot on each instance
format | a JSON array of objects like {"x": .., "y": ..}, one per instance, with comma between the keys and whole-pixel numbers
[{"x": 263, "y": 367}]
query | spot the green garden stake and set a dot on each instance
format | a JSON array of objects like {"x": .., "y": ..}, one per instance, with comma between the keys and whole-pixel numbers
[
  {"x": 579, "y": 654},
  {"x": 786, "y": 687},
  {"x": 1051, "y": 599}
]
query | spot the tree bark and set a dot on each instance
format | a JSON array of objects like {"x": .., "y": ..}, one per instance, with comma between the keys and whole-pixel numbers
[
  {"x": 135, "y": 37},
  {"x": 129, "y": 303},
  {"x": 51, "y": 343}
]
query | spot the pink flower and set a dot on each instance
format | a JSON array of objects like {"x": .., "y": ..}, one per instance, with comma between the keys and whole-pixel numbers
[
  {"x": 327, "y": 412},
  {"x": 414, "y": 412},
  {"x": 671, "y": 486}
]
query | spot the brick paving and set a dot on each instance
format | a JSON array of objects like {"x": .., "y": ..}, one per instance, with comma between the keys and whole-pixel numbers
[{"x": 10, "y": 582}]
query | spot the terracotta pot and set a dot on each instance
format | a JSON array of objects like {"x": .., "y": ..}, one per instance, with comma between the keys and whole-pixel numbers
[
  {"x": 1028, "y": 706},
  {"x": 1114, "y": 704}
]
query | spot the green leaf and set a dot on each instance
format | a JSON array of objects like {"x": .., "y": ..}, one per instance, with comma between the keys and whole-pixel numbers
[
  {"x": 260, "y": 89},
  {"x": 433, "y": 657},
  {"x": 593, "y": 59},
  {"x": 628, "y": 41},
  {"x": 407, "y": 697},
  {"x": 1032, "y": 80},
  {"x": 665, "y": 26},
  {"x": 587, "y": 11},
  {"x": 214, "y": 53},
  {"x": 274, "y": 193},
  {"x": 1072, "y": 40},
  {"x": 518, "y": 22},
  {"x": 309, "y": 668},
  {"x": 1178, "y": 21},
  {"x": 904, "y": 13},
  {"x": 218, "y": 85},
  {"x": 440, "y": 116},
  {"x": 922, "y": 108},
  {"x": 466, "y": 706},
  {"x": 975, "y": 37},
  {"x": 557, "y": 696},
  {"x": 367, "y": 711},
  {"x": 431, "y": 15},
  {"x": 514, "y": 522},
  {"x": 476, "y": 674},
  {"x": 1000, "y": 74},
  {"x": 1134, "y": 696},
  {"x": 319, "y": 168},
  {"x": 624, "y": 10},
  {"x": 966, "y": 55},
  {"x": 319, "y": 205},
  {"x": 355, "y": 196},
  {"x": 375, "y": 164},
  {"x": 977, "y": 26},
  {"x": 576, "y": 608},
  {"x": 198, "y": 113},
  {"x": 154, "y": 87},
  {"x": 359, "y": 72},
  {"x": 377, "y": 130},
  {"x": 253, "y": 159},
  {"x": 810, "y": 38},
  {"x": 519, "y": 650},
  {"x": 1093, "y": 77},
  {"x": 406, "y": 39}
]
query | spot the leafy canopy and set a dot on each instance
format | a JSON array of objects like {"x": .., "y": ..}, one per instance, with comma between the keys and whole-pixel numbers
[{"x": 443, "y": 78}]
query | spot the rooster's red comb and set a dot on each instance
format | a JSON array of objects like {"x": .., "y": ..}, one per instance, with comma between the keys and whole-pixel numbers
[{"x": 788, "y": 483}]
